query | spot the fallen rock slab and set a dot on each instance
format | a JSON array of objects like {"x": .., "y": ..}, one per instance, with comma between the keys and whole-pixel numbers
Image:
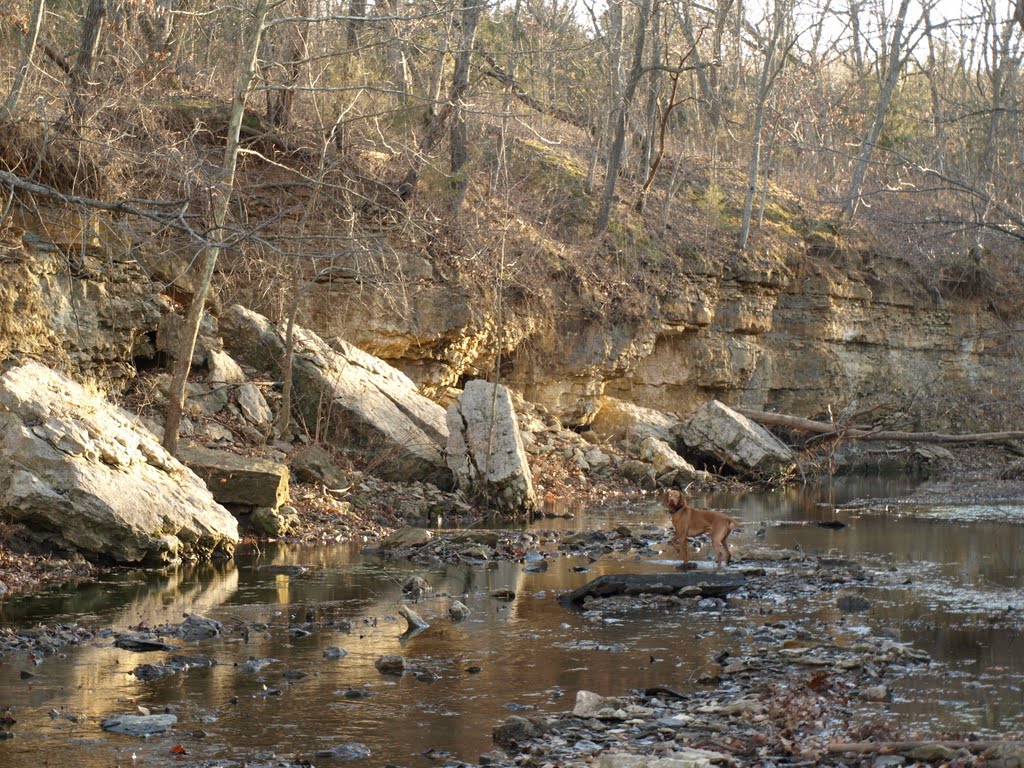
[
  {"x": 485, "y": 450},
  {"x": 81, "y": 474},
  {"x": 351, "y": 396},
  {"x": 240, "y": 483},
  {"x": 670, "y": 469},
  {"x": 717, "y": 430},
  {"x": 612, "y": 585},
  {"x": 618, "y": 420}
]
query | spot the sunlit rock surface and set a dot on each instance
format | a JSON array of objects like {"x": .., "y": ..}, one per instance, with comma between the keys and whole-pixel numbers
[
  {"x": 717, "y": 430},
  {"x": 485, "y": 450},
  {"x": 81, "y": 474},
  {"x": 347, "y": 394}
]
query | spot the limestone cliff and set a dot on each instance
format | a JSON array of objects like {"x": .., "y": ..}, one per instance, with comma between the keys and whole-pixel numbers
[
  {"x": 798, "y": 337},
  {"x": 794, "y": 341}
]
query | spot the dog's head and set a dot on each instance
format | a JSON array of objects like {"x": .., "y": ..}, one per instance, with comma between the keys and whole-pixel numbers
[{"x": 673, "y": 499}]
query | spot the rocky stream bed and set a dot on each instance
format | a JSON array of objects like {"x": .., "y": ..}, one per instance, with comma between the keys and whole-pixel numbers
[{"x": 784, "y": 689}]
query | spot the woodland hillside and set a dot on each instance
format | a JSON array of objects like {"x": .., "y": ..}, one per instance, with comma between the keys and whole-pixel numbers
[{"x": 554, "y": 166}]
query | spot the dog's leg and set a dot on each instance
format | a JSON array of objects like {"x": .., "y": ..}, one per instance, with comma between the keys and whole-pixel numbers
[
  {"x": 716, "y": 545},
  {"x": 682, "y": 533}
]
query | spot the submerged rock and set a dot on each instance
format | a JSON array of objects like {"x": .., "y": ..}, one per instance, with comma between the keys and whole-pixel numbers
[
  {"x": 392, "y": 664},
  {"x": 139, "y": 725},
  {"x": 352, "y": 751},
  {"x": 709, "y": 585}
]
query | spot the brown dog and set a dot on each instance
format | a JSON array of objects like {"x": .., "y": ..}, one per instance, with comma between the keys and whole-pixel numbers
[{"x": 693, "y": 521}]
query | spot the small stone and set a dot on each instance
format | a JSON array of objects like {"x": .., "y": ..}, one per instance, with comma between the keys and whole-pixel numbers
[
  {"x": 516, "y": 730},
  {"x": 853, "y": 604},
  {"x": 254, "y": 407},
  {"x": 589, "y": 704},
  {"x": 222, "y": 368},
  {"x": 874, "y": 693},
  {"x": 415, "y": 587},
  {"x": 391, "y": 664},
  {"x": 352, "y": 751}
]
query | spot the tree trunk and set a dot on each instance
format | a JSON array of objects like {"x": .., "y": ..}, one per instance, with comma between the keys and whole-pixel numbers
[
  {"x": 621, "y": 113},
  {"x": 435, "y": 130},
  {"x": 646, "y": 158},
  {"x": 11, "y": 105},
  {"x": 81, "y": 74},
  {"x": 221, "y": 200},
  {"x": 894, "y": 66},
  {"x": 500, "y": 164},
  {"x": 284, "y": 415},
  {"x": 774, "y": 63},
  {"x": 280, "y": 102},
  {"x": 356, "y": 9},
  {"x": 471, "y": 10},
  {"x": 396, "y": 54}
]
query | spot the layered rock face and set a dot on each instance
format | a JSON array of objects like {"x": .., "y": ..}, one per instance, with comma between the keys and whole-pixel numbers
[
  {"x": 772, "y": 340},
  {"x": 801, "y": 345},
  {"x": 84, "y": 476},
  {"x": 792, "y": 344},
  {"x": 72, "y": 291}
]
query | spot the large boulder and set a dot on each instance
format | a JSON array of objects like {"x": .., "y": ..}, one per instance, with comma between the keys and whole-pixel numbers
[
  {"x": 669, "y": 467},
  {"x": 717, "y": 431},
  {"x": 618, "y": 420},
  {"x": 81, "y": 474},
  {"x": 485, "y": 450},
  {"x": 354, "y": 398}
]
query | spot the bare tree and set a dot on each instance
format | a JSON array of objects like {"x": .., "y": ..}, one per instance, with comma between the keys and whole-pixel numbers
[
  {"x": 222, "y": 192},
  {"x": 777, "y": 43},
  {"x": 471, "y": 10},
  {"x": 81, "y": 73},
  {"x": 890, "y": 67},
  {"x": 621, "y": 113},
  {"x": 31, "y": 39}
]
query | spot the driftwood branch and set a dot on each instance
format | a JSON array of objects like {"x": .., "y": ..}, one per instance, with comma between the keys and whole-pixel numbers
[
  {"x": 174, "y": 219},
  {"x": 859, "y": 433}
]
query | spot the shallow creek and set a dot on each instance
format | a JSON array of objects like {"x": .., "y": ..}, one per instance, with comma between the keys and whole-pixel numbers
[{"x": 947, "y": 580}]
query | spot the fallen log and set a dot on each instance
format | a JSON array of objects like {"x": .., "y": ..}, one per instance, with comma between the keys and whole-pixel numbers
[
  {"x": 613, "y": 584},
  {"x": 892, "y": 747},
  {"x": 859, "y": 433}
]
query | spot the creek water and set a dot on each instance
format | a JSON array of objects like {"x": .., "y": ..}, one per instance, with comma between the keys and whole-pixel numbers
[{"x": 948, "y": 580}]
